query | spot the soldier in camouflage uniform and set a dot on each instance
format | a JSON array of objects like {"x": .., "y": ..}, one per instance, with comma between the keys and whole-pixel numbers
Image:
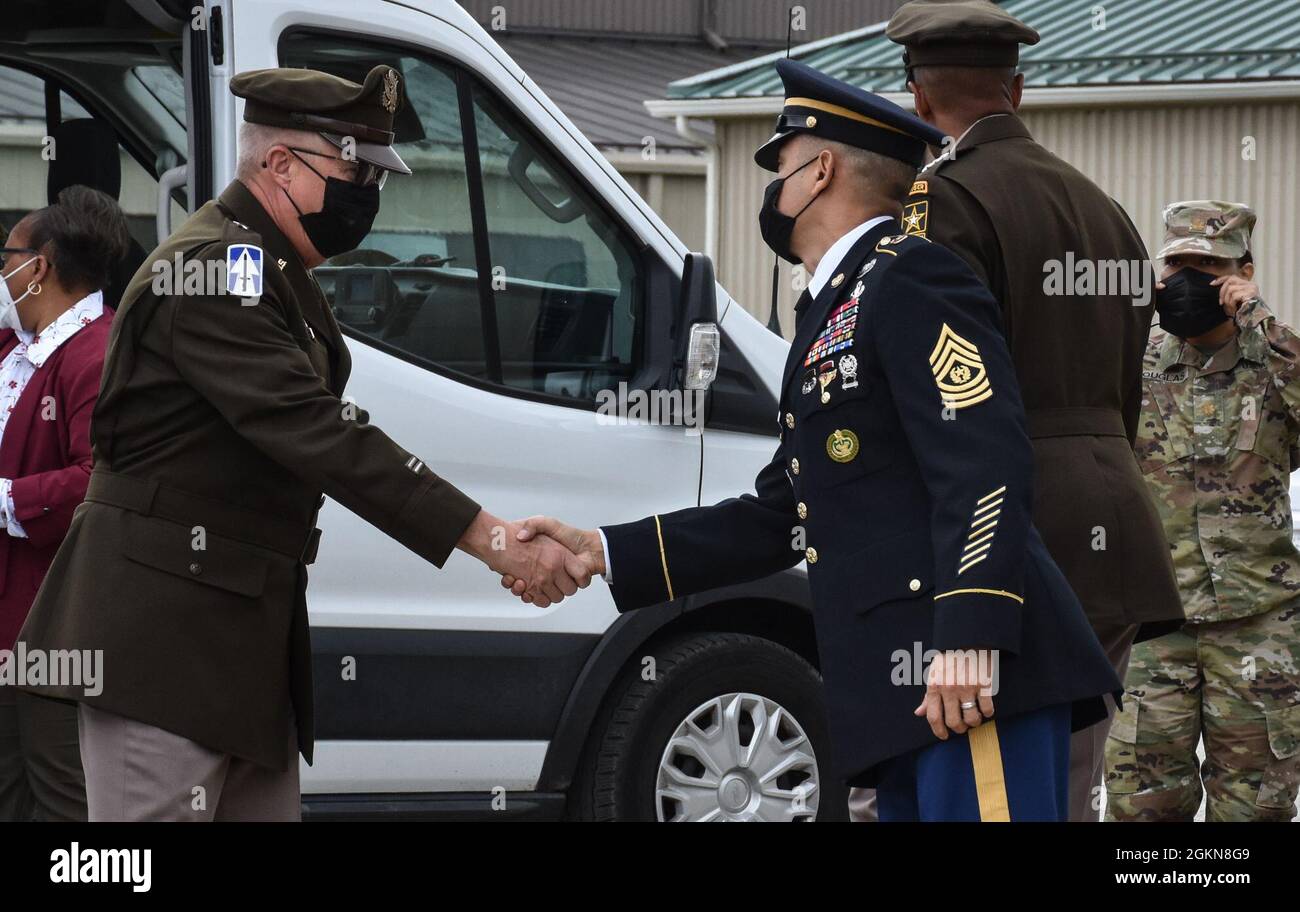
[{"x": 1217, "y": 445}]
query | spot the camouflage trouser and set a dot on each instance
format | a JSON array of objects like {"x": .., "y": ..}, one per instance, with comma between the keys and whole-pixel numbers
[{"x": 1237, "y": 685}]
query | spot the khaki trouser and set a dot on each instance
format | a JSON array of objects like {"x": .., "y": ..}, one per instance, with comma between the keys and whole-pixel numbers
[
  {"x": 136, "y": 771},
  {"x": 1087, "y": 747}
]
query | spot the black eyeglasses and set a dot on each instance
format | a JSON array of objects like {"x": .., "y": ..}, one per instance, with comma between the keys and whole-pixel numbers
[
  {"x": 364, "y": 175},
  {"x": 6, "y": 251}
]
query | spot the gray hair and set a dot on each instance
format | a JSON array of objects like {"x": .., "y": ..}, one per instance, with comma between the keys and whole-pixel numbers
[
  {"x": 887, "y": 177},
  {"x": 256, "y": 140}
]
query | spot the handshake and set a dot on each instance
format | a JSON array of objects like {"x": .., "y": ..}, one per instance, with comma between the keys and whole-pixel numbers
[{"x": 540, "y": 559}]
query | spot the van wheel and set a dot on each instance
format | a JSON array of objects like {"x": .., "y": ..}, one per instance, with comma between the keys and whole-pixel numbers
[{"x": 731, "y": 728}]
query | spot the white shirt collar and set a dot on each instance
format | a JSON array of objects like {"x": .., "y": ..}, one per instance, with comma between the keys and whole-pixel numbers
[
  {"x": 43, "y": 344},
  {"x": 837, "y": 252}
]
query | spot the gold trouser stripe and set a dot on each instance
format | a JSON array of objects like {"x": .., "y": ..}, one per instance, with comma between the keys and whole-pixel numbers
[
  {"x": 839, "y": 112},
  {"x": 990, "y": 780},
  {"x": 663, "y": 558},
  {"x": 1001, "y": 592}
]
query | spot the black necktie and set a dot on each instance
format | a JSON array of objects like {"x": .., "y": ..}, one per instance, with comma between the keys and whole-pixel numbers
[{"x": 801, "y": 306}]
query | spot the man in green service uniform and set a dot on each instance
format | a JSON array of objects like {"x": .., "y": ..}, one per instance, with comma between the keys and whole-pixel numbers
[{"x": 219, "y": 426}]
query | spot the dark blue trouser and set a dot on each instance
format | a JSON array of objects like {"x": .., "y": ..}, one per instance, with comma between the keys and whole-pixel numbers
[{"x": 1007, "y": 769}]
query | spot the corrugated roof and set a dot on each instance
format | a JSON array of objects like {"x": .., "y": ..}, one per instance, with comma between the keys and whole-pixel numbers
[
  {"x": 1142, "y": 41},
  {"x": 601, "y": 84}
]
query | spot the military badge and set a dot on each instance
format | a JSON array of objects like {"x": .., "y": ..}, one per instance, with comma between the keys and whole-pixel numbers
[
  {"x": 916, "y": 218},
  {"x": 825, "y": 377},
  {"x": 809, "y": 382},
  {"x": 842, "y": 446},
  {"x": 836, "y": 335},
  {"x": 849, "y": 371},
  {"x": 244, "y": 270},
  {"x": 858, "y": 289},
  {"x": 959, "y": 371},
  {"x": 871, "y": 264},
  {"x": 390, "y": 96},
  {"x": 919, "y": 187}
]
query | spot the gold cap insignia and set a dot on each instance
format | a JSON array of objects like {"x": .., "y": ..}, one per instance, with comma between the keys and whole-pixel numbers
[
  {"x": 390, "y": 97},
  {"x": 959, "y": 371},
  {"x": 842, "y": 446},
  {"x": 811, "y": 121}
]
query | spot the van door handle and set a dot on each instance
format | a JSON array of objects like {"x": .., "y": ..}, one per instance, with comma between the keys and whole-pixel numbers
[{"x": 169, "y": 181}]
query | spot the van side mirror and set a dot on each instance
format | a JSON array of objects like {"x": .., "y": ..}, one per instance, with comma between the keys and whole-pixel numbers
[{"x": 695, "y": 331}]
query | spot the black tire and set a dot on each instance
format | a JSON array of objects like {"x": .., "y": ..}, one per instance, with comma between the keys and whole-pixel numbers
[{"x": 621, "y": 762}]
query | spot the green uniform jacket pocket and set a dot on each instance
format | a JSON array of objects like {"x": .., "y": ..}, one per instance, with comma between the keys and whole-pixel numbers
[{"x": 170, "y": 547}]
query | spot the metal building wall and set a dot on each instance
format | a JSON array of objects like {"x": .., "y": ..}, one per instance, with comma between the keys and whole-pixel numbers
[
  {"x": 678, "y": 199},
  {"x": 1145, "y": 157},
  {"x": 1149, "y": 157}
]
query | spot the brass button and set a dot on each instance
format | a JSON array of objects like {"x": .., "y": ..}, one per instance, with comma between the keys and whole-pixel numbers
[
  {"x": 802, "y": 510},
  {"x": 794, "y": 466},
  {"x": 811, "y": 554},
  {"x": 789, "y": 420},
  {"x": 195, "y": 569},
  {"x": 811, "y": 122},
  {"x": 914, "y": 585}
]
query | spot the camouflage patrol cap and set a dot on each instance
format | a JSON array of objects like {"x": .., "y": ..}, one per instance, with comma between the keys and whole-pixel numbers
[
  {"x": 973, "y": 33},
  {"x": 1208, "y": 227},
  {"x": 336, "y": 108}
]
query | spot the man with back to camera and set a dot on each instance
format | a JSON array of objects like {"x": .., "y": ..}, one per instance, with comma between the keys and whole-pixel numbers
[{"x": 1010, "y": 209}]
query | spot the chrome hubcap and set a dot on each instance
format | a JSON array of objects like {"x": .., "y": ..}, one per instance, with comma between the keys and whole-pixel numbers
[{"x": 738, "y": 757}]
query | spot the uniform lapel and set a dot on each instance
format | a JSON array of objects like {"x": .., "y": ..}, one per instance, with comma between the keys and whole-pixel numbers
[{"x": 811, "y": 320}]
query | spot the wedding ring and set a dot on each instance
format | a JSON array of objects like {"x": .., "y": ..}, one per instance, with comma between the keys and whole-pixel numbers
[{"x": 968, "y": 706}]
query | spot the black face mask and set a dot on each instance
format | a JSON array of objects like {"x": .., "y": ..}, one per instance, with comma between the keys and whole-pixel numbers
[
  {"x": 777, "y": 227},
  {"x": 345, "y": 217},
  {"x": 1188, "y": 304}
]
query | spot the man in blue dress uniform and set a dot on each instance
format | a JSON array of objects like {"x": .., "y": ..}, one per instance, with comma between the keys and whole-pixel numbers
[{"x": 904, "y": 478}]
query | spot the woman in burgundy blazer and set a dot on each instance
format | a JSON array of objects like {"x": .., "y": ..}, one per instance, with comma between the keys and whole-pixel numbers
[{"x": 54, "y": 331}]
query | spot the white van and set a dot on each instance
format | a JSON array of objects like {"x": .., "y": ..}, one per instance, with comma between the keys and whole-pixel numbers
[{"x": 507, "y": 283}]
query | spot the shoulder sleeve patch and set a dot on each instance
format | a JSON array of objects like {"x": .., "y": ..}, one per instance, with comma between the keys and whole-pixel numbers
[
  {"x": 959, "y": 371},
  {"x": 916, "y": 218}
]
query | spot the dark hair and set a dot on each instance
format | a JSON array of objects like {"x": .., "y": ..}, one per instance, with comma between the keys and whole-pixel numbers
[{"x": 84, "y": 235}]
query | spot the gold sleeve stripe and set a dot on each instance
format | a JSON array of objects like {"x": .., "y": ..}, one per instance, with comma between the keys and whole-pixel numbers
[
  {"x": 992, "y": 494},
  {"x": 971, "y": 552},
  {"x": 982, "y": 529},
  {"x": 990, "y": 778},
  {"x": 966, "y": 566},
  {"x": 975, "y": 541},
  {"x": 663, "y": 558},
  {"x": 838, "y": 112},
  {"x": 992, "y": 505},
  {"x": 1001, "y": 592},
  {"x": 991, "y": 518}
]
